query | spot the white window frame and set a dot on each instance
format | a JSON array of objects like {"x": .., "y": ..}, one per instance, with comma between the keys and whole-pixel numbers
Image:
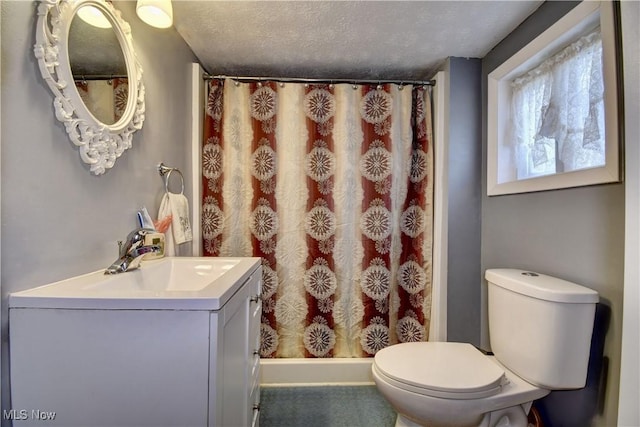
[{"x": 501, "y": 168}]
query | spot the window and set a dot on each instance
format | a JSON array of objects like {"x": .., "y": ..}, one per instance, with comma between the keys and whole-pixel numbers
[
  {"x": 553, "y": 108},
  {"x": 557, "y": 112}
]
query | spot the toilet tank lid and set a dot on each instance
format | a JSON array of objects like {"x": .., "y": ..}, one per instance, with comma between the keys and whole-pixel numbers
[{"x": 541, "y": 286}]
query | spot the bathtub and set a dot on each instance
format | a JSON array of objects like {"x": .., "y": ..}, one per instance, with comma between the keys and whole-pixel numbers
[{"x": 315, "y": 372}]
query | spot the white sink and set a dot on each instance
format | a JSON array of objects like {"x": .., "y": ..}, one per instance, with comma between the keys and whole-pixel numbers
[{"x": 178, "y": 283}]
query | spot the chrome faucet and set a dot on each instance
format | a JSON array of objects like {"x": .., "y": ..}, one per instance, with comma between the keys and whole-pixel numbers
[{"x": 132, "y": 251}]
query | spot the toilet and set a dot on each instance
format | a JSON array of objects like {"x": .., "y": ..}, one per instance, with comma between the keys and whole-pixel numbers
[{"x": 540, "y": 333}]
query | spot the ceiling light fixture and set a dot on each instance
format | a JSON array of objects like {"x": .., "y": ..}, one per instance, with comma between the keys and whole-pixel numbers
[
  {"x": 93, "y": 16},
  {"x": 157, "y": 13}
]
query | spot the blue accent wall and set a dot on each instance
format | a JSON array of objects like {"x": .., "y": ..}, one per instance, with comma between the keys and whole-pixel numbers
[{"x": 464, "y": 197}]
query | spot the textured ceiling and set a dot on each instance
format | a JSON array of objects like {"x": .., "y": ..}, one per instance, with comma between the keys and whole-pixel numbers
[
  {"x": 400, "y": 40},
  {"x": 94, "y": 51}
]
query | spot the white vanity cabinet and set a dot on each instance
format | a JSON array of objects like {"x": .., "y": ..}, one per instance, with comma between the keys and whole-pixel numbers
[
  {"x": 234, "y": 386},
  {"x": 140, "y": 362}
]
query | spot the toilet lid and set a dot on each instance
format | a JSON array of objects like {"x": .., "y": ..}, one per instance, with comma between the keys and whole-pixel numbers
[{"x": 441, "y": 369}]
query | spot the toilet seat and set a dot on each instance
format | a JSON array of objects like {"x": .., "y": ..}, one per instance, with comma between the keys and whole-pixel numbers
[{"x": 440, "y": 369}]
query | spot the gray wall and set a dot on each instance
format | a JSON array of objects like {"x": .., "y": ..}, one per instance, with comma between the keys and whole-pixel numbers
[
  {"x": 576, "y": 234},
  {"x": 58, "y": 220},
  {"x": 464, "y": 196}
]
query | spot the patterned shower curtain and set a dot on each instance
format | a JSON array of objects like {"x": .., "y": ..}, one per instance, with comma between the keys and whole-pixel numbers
[
  {"x": 332, "y": 186},
  {"x": 105, "y": 98}
]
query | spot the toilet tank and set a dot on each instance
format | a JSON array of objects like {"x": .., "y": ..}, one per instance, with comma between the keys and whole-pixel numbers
[{"x": 540, "y": 327}]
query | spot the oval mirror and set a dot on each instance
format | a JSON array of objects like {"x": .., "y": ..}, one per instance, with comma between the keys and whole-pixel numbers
[
  {"x": 97, "y": 65},
  {"x": 85, "y": 54}
]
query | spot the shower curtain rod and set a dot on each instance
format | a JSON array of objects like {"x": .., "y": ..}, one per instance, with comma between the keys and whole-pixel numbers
[
  {"x": 99, "y": 77},
  {"x": 319, "y": 81}
]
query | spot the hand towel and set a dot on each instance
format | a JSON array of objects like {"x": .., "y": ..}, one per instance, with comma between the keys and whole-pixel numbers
[
  {"x": 164, "y": 212},
  {"x": 180, "y": 221}
]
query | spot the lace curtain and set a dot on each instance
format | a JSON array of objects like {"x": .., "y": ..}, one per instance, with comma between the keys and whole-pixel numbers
[
  {"x": 331, "y": 185},
  {"x": 557, "y": 111}
]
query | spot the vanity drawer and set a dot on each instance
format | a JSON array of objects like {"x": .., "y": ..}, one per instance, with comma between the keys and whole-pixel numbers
[
  {"x": 255, "y": 313},
  {"x": 254, "y": 330},
  {"x": 254, "y": 401},
  {"x": 255, "y": 310},
  {"x": 256, "y": 416},
  {"x": 254, "y": 397},
  {"x": 254, "y": 375},
  {"x": 254, "y": 320},
  {"x": 255, "y": 305},
  {"x": 256, "y": 287}
]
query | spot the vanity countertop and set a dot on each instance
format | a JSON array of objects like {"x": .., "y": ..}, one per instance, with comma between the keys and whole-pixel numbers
[{"x": 173, "y": 283}]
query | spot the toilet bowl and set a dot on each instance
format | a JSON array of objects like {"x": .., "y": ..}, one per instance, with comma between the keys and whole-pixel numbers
[
  {"x": 540, "y": 332},
  {"x": 442, "y": 384}
]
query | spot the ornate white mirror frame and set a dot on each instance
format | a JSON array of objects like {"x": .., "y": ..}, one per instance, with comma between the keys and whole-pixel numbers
[{"x": 99, "y": 144}]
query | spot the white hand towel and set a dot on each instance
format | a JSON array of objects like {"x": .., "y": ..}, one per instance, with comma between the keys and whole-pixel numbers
[
  {"x": 180, "y": 222},
  {"x": 163, "y": 212}
]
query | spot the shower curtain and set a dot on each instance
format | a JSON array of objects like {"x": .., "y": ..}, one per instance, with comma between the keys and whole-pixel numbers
[
  {"x": 105, "y": 98},
  {"x": 332, "y": 186}
]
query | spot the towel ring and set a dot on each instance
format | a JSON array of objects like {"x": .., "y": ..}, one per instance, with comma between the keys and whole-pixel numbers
[{"x": 165, "y": 170}]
